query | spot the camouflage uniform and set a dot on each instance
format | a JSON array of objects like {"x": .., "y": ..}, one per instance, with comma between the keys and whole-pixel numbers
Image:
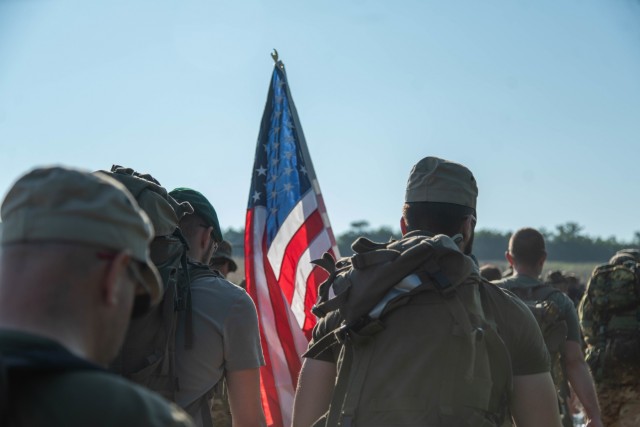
[
  {"x": 612, "y": 338},
  {"x": 617, "y": 384}
]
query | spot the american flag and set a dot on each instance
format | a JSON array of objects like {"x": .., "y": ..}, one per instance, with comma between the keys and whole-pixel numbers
[{"x": 287, "y": 226}]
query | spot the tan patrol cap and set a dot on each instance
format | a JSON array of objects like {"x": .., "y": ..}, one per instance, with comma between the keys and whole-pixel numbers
[
  {"x": 437, "y": 180},
  {"x": 71, "y": 205}
]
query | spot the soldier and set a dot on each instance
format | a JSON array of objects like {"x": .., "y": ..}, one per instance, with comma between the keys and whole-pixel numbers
[
  {"x": 74, "y": 264},
  {"x": 527, "y": 255},
  {"x": 490, "y": 272},
  {"x": 609, "y": 317},
  {"x": 441, "y": 199},
  {"x": 225, "y": 323},
  {"x": 222, "y": 259}
]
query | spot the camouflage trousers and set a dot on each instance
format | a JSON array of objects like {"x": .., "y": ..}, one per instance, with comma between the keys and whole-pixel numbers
[
  {"x": 220, "y": 411},
  {"x": 620, "y": 405}
]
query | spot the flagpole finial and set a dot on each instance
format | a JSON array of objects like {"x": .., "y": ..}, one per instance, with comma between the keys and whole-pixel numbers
[{"x": 274, "y": 55}]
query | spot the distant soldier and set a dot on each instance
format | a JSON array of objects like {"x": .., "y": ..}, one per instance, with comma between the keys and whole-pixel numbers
[
  {"x": 222, "y": 259},
  {"x": 490, "y": 272},
  {"x": 610, "y": 321},
  {"x": 74, "y": 266},
  {"x": 558, "y": 319}
]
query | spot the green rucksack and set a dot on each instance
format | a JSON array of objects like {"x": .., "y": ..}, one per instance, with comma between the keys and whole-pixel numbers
[
  {"x": 610, "y": 321},
  {"x": 147, "y": 356},
  {"x": 417, "y": 346},
  {"x": 554, "y": 331}
]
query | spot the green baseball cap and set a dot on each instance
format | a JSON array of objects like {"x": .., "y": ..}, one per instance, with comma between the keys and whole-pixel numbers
[
  {"x": 201, "y": 207},
  {"x": 438, "y": 180},
  {"x": 72, "y": 205}
]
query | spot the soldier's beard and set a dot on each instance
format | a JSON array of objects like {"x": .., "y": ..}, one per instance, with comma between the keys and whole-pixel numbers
[{"x": 468, "y": 248}]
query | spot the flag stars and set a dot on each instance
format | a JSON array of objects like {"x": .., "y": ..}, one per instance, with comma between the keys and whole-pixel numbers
[
  {"x": 288, "y": 154},
  {"x": 261, "y": 171},
  {"x": 303, "y": 169},
  {"x": 276, "y": 144},
  {"x": 274, "y": 211},
  {"x": 274, "y": 178},
  {"x": 288, "y": 187},
  {"x": 281, "y": 83},
  {"x": 288, "y": 170},
  {"x": 276, "y": 115},
  {"x": 256, "y": 196},
  {"x": 274, "y": 194},
  {"x": 288, "y": 138},
  {"x": 278, "y": 99},
  {"x": 275, "y": 161}
]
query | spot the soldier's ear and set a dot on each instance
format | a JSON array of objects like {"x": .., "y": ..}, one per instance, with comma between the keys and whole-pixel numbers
[
  {"x": 403, "y": 226},
  {"x": 509, "y": 257},
  {"x": 112, "y": 280}
]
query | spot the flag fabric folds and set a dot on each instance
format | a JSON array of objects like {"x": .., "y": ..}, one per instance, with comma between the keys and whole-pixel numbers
[{"x": 286, "y": 227}]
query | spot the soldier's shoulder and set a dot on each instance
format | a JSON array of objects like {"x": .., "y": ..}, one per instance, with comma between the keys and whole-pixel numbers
[{"x": 108, "y": 396}]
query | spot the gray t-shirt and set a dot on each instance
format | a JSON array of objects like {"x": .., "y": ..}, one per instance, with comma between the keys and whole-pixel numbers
[{"x": 225, "y": 338}]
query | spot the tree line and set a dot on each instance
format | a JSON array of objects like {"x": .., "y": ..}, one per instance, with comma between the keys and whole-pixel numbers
[{"x": 566, "y": 243}]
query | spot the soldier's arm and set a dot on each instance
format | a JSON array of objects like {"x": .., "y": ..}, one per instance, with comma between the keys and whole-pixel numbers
[
  {"x": 534, "y": 402},
  {"x": 244, "y": 398},
  {"x": 313, "y": 395},
  {"x": 580, "y": 379}
]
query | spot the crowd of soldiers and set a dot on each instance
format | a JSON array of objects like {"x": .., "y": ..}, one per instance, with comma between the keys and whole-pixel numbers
[{"x": 115, "y": 310}]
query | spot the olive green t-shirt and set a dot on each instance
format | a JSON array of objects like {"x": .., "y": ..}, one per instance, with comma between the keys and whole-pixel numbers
[
  {"x": 564, "y": 303},
  {"x": 81, "y": 397}
]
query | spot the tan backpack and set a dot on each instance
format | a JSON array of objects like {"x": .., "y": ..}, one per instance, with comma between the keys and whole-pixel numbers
[{"x": 417, "y": 346}]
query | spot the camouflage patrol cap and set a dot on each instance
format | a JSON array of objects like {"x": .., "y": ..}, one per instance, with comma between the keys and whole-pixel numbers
[
  {"x": 201, "y": 207},
  {"x": 437, "y": 180},
  {"x": 163, "y": 210},
  {"x": 71, "y": 205},
  {"x": 224, "y": 253},
  {"x": 624, "y": 255}
]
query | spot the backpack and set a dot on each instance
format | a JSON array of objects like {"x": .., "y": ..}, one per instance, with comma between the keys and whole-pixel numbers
[
  {"x": 554, "y": 331},
  {"x": 417, "y": 346},
  {"x": 147, "y": 356},
  {"x": 610, "y": 320}
]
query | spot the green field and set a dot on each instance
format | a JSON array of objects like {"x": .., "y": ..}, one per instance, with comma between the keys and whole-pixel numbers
[{"x": 581, "y": 269}]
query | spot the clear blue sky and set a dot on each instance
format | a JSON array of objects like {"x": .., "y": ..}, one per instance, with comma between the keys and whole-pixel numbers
[{"x": 540, "y": 99}]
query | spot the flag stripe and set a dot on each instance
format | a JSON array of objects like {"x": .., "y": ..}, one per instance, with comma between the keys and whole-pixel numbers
[
  {"x": 297, "y": 246},
  {"x": 303, "y": 209},
  {"x": 315, "y": 250},
  {"x": 269, "y": 390}
]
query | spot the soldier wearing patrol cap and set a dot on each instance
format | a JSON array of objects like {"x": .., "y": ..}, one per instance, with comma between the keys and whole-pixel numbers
[
  {"x": 74, "y": 265},
  {"x": 440, "y": 198}
]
